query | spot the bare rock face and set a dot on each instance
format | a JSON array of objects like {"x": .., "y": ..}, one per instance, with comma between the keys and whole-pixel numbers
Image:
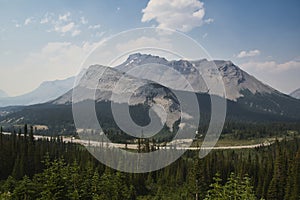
[
  {"x": 202, "y": 73},
  {"x": 109, "y": 84}
]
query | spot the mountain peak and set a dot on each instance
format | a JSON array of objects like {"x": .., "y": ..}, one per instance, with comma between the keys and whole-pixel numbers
[
  {"x": 139, "y": 58},
  {"x": 198, "y": 72}
]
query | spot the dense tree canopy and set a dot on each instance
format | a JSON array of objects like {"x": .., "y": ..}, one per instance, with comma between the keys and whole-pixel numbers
[{"x": 53, "y": 169}]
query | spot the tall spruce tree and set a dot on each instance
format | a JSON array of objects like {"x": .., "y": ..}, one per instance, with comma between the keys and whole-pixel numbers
[{"x": 278, "y": 182}]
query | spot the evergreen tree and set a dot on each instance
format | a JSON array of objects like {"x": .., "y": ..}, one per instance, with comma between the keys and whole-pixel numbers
[
  {"x": 235, "y": 188},
  {"x": 31, "y": 137},
  {"x": 278, "y": 182},
  {"x": 293, "y": 183},
  {"x": 24, "y": 190},
  {"x": 25, "y": 131},
  {"x": 1, "y": 132}
]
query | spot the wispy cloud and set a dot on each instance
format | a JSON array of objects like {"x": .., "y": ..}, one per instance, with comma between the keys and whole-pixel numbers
[
  {"x": 182, "y": 15},
  {"x": 251, "y": 53},
  {"x": 65, "y": 17},
  {"x": 64, "y": 28},
  {"x": 28, "y": 21},
  {"x": 83, "y": 20},
  {"x": 63, "y": 24},
  {"x": 76, "y": 32},
  {"x": 16, "y": 23},
  {"x": 97, "y": 26},
  {"x": 47, "y": 18}
]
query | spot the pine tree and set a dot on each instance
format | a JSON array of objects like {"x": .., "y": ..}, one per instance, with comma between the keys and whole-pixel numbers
[
  {"x": 234, "y": 188},
  {"x": 24, "y": 190},
  {"x": 198, "y": 182},
  {"x": 278, "y": 182},
  {"x": 216, "y": 192},
  {"x": 9, "y": 185},
  {"x": 31, "y": 137},
  {"x": 293, "y": 184},
  {"x": 1, "y": 136},
  {"x": 25, "y": 131}
]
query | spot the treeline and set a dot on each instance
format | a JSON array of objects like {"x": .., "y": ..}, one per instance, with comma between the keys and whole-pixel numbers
[
  {"x": 52, "y": 169},
  {"x": 251, "y": 130}
]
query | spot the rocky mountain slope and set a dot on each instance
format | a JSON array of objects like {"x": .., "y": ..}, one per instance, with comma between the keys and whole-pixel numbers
[
  {"x": 248, "y": 99},
  {"x": 195, "y": 72},
  {"x": 108, "y": 81},
  {"x": 206, "y": 76}
]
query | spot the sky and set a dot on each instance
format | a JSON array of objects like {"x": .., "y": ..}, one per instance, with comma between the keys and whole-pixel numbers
[{"x": 48, "y": 40}]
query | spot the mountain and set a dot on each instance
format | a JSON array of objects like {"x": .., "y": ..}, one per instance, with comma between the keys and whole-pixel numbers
[
  {"x": 296, "y": 94},
  {"x": 240, "y": 87},
  {"x": 138, "y": 91},
  {"x": 47, "y": 91},
  {"x": 248, "y": 99},
  {"x": 3, "y": 94},
  {"x": 235, "y": 80}
]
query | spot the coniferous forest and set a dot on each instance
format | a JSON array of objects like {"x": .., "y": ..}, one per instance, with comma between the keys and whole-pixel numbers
[{"x": 54, "y": 169}]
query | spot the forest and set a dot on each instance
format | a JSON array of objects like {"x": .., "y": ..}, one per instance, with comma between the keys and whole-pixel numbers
[{"x": 54, "y": 169}]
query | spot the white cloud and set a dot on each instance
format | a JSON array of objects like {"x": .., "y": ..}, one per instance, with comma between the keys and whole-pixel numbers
[
  {"x": 44, "y": 21},
  {"x": 64, "y": 28},
  {"x": 28, "y": 21},
  {"x": 83, "y": 20},
  {"x": 64, "y": 24},
  {"x": 251, "y": 53},
  {"x": 97, "y": 26},
  {"x": 272, "y": 66},
  {"x": 65, "y": 17},
  {"x": 284, "y": 76},
  {"x": 76, "y": 32},
  {"x": 182, "y": 15},
  {"x": 47, "y": 18},
  {"x": 209, "y": 21}
]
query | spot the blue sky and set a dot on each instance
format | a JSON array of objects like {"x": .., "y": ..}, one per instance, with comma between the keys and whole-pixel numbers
[{"x": 47, "y": 40}]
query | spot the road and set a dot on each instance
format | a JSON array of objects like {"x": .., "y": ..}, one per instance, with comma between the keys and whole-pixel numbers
[{"x": 178, "y": 144}]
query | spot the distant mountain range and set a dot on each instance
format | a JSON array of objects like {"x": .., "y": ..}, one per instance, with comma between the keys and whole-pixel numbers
[
  {"x": 3, "y": 94},
  {"x": 296, "y": 94},
  {"x": 248, "y": 99},
  {"x": 47, "y": 91}
]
